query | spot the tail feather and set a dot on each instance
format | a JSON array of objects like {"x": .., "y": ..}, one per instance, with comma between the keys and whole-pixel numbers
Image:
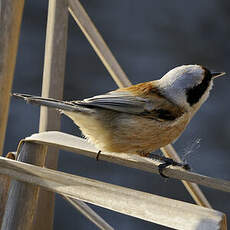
[{"x": 49, "y": 102}]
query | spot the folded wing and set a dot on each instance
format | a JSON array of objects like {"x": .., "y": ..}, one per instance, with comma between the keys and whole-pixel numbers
[{"x": 158, "y": 108}]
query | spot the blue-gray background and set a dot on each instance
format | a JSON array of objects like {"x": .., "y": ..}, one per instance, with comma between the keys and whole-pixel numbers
[{"x": 148, "y": 38}]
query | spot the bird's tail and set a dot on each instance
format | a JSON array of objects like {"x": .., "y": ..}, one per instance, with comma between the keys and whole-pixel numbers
[{"x": 62, "y": 105}]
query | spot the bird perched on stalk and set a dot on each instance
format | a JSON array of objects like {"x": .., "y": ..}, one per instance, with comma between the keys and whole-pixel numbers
[{"x": 141, "y": 118}]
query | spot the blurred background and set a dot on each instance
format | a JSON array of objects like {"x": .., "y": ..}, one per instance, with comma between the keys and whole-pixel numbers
[{"x": 148, "y": 38}]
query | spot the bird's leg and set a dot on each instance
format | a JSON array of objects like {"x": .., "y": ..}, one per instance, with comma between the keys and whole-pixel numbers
[
  {"x": 98, "y": 154},
  {"x": 168, "y": 162}
]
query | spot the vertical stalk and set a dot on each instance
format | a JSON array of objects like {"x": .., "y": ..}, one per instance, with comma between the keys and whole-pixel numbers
[
  {"x": 10, "y": 22},
  {"x": 52, "y": 86},
  {"x": 22, "y": 198}
]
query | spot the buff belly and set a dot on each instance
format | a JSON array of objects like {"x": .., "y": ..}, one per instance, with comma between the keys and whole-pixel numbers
[{"x": 120, "y": 132}]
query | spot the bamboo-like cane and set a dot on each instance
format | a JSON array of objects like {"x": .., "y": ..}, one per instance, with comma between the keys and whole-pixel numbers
[
  {"x": 52, "y": 86},
  {"x": 79, "y": 145},
  {"x": 157, "y": 209},
  {"x": 22, "y": 198},
  {"x": 4, "y": 188},
  {"x": 10, "y": 22},
  {"x": 116, "y": 72}
]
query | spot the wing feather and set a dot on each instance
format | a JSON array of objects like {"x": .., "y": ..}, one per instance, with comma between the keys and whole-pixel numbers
[{"x": 156, "y": 107}]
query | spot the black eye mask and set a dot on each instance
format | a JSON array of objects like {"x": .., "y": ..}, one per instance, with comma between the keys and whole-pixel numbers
[{"x": 194, "y": 94}]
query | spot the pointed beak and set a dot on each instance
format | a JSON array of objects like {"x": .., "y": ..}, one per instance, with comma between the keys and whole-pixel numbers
[{"x": 217, "y": 74}]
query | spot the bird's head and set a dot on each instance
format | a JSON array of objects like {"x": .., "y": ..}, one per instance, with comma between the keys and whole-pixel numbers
[{"x": 188, "y": 85}]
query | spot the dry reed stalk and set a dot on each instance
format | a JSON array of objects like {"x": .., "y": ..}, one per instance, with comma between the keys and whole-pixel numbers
[
  {"x": 52, "y": 86},
  {"x": 81, "y": 146},
  {"x": 10, "y": 22},
  {"x": 164, "y": 211},
  {"x": 22, "y": 199},
  {"x": 4, "y": 188}
]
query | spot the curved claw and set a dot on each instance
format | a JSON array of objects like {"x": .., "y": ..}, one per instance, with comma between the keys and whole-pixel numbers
[
  {"x": 161, "y": 167},
  {"x": 168, "y": 162}
]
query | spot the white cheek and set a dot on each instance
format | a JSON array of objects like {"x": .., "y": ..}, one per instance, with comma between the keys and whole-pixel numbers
[{"x": 177, "y": 96}]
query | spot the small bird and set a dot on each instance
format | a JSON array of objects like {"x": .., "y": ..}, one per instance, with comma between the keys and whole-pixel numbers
[{"x": 141, "y": 118}]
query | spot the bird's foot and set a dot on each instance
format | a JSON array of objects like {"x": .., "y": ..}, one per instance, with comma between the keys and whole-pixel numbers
[
  {"x": 161, "y": 167},
  {"x": 167, "y": 162},
  {"x": 98, "y": 154}
]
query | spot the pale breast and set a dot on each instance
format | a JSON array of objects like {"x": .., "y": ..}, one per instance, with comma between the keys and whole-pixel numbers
[
  {"x": 136, "y": 134},
  {"x": 120, "y": 132}
]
